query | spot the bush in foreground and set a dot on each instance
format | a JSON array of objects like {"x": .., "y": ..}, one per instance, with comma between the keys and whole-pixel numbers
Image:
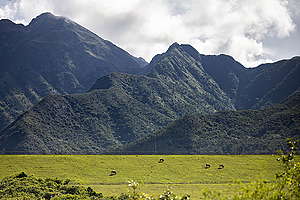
[
  {"x": 287, "y": 184},
  {"x": 23, "y": 186}
]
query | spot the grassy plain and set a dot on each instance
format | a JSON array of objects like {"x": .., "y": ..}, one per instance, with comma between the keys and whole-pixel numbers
[{"x": 182, "y": 173}]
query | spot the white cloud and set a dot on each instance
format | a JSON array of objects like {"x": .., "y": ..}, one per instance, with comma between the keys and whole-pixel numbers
[{"x": 145, "y": 28}]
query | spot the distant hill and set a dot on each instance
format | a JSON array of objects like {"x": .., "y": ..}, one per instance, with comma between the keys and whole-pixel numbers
[
  {"x": 52, "y": 55},
  {"x": 226, "y": 132},
  {"x": 119, "y": 108}
]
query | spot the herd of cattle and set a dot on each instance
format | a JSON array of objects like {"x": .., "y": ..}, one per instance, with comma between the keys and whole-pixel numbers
[{"x": 161, "y": 160}]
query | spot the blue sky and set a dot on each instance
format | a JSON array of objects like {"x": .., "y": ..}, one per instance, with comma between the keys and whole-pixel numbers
[{"x": 252, "y": 31}]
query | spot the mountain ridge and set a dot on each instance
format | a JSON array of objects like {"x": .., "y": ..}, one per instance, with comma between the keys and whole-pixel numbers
[
  {"x": 53, "y": 55},
  {"x": 90, "y": 96},
  {"x": 119, "y": 108},
  {"x": 251, "y": 87}
]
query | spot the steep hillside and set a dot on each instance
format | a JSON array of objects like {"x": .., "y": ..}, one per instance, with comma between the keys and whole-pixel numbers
[
  {"x": 227, "y": 132},
  {"x": 227, "y": 72},
  {"x": 251, "y": 87},
  {"x": 52, "y": 55},
  {"x": 119, "y": 108},
  {"x": 270, "y": 83}
]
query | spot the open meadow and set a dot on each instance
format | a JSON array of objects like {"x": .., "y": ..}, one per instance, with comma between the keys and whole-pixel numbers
[{"x": 182, "y": 173}]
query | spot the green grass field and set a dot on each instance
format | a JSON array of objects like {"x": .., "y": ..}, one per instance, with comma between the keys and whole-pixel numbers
[{"x": 181, "y": 173}]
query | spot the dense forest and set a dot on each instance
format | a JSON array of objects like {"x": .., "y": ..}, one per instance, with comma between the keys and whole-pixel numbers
[{"x": 227, "y": 132}]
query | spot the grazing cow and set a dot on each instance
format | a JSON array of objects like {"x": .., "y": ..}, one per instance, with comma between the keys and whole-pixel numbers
[
  {"x": 207, "y": 166},
  {"x": 161, "y": 160},
  {"x": 221, "y": 167},
  {"x": 113, "y": 172}
]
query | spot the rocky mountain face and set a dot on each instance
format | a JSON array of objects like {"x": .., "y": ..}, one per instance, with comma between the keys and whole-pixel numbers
[
  {"x": 270, "y": 83},
  {"x": 248, "y": 88},
  {"x": 118, "y": 109},
  {"x": 52, "y": 55},
  {"x": 227, "y": 132}
]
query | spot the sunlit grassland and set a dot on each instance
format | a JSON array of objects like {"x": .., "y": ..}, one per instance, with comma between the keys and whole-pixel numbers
[{"x": 181, "y": 173}]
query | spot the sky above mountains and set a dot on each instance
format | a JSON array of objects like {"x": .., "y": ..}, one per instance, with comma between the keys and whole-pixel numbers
[{"x": 252, "y": 31}]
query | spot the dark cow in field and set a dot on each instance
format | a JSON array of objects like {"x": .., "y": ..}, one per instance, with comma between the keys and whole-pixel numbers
[
  {"x": 113, "y": 172},
  {"x": 161, "y": 160},
  {"x": 221, "y": 166},
  {"x": 207, "y": 166}
]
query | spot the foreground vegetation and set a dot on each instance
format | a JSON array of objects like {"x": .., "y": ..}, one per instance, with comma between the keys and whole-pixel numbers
[
  {"x": 180, "y": 173},
  {"x": 176, "y": 169},
  {"x": 284, "y": 186},
  {"x": 183, "y": 174},
  {"x": 22, "y": 186}
]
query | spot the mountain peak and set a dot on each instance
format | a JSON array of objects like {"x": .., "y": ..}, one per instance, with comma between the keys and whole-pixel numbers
[
  {"x": 47, "y": 19},
  {"x": 175, "y": 45},
  {"x": 185, "y": 48},
  {"x": 106, "y": 82},
  {"x": 158, "y": 57},
  {"x": 6, "y": 22},
  {"x": 7, "y": 25},
  {"x": 191, "y": 51},
  {"x": 46, "y": 16}
]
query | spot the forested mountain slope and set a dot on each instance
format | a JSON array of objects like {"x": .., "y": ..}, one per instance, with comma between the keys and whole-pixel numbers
[
  {"x": 52, "y": 55},
  {"x": 98, "y": 97},
  {"x": 227, "y": 132},
  {"x": 256, "y": 87},
  {"x": 119, "y": 108}
]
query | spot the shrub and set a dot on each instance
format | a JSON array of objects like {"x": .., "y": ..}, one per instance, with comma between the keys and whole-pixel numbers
[
  {"x": 287, "y": 184},
  {"x": 21, "y": 175}
]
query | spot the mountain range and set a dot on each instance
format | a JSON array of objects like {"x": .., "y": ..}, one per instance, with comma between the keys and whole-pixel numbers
[
  {"x": 52, "y": 55},
  {"x": 66, "y": 90}
]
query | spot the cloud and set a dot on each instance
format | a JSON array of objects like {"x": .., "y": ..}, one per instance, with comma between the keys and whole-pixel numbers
[{"x": 249, "y": 30}]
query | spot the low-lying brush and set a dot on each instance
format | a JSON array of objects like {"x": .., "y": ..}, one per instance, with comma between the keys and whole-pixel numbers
[{"x": 23, "y": 186}]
